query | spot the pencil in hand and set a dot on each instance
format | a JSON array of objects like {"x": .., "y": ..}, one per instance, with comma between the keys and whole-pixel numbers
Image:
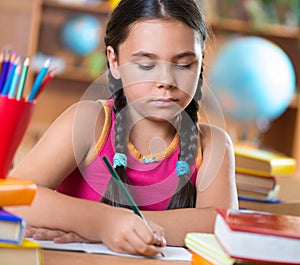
[{"x": 130, "y": 200}]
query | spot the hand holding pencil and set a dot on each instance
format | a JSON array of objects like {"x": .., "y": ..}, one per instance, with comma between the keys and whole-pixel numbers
[{"x": 159, "y": 241}]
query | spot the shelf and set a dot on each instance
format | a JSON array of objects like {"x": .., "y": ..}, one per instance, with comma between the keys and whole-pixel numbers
[
  {"x": 295, "y": 102},
  {"x": 102, "y": 7},
  {"x": 239, "y": 26},
  {"x": 73, "y": 74}
]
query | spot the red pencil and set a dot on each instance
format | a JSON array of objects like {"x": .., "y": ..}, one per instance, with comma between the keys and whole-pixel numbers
[{"x": 45, "y": 82}]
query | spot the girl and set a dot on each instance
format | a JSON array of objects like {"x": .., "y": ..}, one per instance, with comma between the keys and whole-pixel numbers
[{"x": 177, "y": 171}]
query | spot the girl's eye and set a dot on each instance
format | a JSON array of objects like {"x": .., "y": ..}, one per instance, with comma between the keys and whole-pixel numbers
[
  {"x": 146, "y": 67},
  {"x": 183, "y": 66}
]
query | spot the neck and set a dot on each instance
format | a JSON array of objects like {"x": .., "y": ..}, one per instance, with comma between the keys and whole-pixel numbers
[{"x": 150, "y": 136}]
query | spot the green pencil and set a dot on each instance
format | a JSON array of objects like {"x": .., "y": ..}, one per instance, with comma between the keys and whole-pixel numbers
[
  {"x": 23, "y": 79},
  {"x": 130, "y": 200}
]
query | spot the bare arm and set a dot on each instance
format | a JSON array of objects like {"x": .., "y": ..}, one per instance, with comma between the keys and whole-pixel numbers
[
  {"x": 215, "y": 188},
  {"x": 51, "y": 160}
]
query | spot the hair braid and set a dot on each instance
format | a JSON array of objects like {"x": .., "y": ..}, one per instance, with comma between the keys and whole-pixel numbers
[
  {"x": 185, "y": 195},
  {"x": 113, "y": 195}
]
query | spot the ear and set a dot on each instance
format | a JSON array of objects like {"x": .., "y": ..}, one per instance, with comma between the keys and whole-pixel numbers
[{"x": 113, "y": 62}]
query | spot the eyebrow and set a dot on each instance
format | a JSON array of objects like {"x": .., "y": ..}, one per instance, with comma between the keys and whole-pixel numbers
[
  {"x": 144, "y": 54},
  {"x": 141, "y": 54}
]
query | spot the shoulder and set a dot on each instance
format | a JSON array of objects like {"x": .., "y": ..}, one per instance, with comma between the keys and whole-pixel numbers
[
  {"x": 89, "y": 118},
  {"x": 211, "y": 134},
  {"x": 83, "y": 122},
  {"x": 82, "y": 110},
  {"x": 215, "y": 141},
  {"x": 215, "y": 182}
]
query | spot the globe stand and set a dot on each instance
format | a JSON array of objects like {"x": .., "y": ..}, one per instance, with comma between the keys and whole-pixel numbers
[{"x": 78, "y": 61}]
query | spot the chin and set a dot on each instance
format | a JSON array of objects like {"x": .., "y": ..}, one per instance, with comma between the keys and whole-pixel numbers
[{"x": 161, "y": 117}]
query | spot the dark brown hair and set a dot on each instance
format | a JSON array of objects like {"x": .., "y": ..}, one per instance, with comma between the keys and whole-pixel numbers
[{"x": 126, "y": 13}]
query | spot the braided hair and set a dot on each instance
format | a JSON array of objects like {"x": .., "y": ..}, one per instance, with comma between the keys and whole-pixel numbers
[{"x": 126, "y": 13}]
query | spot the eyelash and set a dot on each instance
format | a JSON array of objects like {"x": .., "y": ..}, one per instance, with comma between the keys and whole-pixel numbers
[
  {"x": 150, "y": 67},
  {"x": 146, "y": 67},
  {"x": 184, "y": 66}
]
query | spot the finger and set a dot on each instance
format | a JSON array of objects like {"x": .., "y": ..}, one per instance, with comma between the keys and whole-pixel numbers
[
  {"x": 47, "y": 234},
  {"x": 69, "y": 238},
  {"x": 132, "y": 243},
  {"x": 125, "y": 248},
  {"x": 159, "y": 231},
  {"x": 163, "y": 241},
  {"x": 160, "y": 240},
  {"x": 144, "y": 246},
  {"x": 29, "y": 231}
]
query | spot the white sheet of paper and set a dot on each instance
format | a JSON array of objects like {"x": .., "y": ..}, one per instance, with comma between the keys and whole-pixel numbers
[{"x": 171, "y": 253}]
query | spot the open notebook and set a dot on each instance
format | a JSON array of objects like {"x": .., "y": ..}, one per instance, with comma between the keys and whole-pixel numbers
[{"x": 170, "y": 253}]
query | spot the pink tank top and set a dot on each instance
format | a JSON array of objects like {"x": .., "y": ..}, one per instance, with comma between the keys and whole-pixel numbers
[{"x": 152, "y": 184}]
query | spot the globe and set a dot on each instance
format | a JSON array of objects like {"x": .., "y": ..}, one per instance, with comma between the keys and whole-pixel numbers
[
  {"x": 81, "y": 34},
  {"x": 253, "y": 79}
]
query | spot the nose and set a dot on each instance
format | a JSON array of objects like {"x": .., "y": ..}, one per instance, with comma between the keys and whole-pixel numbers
[{"x": 165, "y": 78}]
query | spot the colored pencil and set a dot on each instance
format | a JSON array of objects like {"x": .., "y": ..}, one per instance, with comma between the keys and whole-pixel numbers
[
  {"x": 11, "y": 62},
  {"x": 45, "y": 82},
  {"x": 121, "y": 185},
  {"x": 5, "y": 65},
  {"x": 10, "y": 76},
  {"x": 38, "y": 80},
  {"x": 1, "y": 60},
  {"x": 23, "y": 79},
  {"x": 14, "y": 82}
]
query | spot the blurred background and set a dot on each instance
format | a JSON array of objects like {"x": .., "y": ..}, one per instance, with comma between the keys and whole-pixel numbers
[{"x": 254, "y": 40}]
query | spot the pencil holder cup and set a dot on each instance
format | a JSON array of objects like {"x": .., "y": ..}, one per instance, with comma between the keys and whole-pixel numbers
[{"x": 15, "y": 116}]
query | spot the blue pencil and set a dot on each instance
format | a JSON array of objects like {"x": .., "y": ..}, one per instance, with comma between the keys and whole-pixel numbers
[
  {"x": 9, "y": 78},
  {"x": 1, "y": 60},
  {"x": 11, "y": 62},
  {"x": 37, "y": 82},
  {"x": 14, "y": 82},
  {"x": 5, "y": 65}
]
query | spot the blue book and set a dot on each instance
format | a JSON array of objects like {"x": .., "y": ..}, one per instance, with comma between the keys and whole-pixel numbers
[{"x": 11, "y": 228}]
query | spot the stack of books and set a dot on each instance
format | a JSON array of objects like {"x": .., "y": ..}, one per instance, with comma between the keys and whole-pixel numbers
[
  {"x": 257, "y": 173},
  {"x": 247, "y": 237},
  {"x": 14, "y": 248}
]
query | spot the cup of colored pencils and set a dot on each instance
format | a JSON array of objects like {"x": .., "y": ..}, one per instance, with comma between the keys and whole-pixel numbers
[{"x": 16, "y": 109}]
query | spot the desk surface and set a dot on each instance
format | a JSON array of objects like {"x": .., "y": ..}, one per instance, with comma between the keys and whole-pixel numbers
[{"x": 54, "y": 257}]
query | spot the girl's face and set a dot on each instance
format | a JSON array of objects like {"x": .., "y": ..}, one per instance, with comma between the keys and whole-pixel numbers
[{"x": 159, "y": 64}]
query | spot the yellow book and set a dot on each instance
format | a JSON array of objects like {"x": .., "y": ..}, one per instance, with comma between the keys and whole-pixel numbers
[
  {"x": 207, "y": 246},
  {"x": 26, "y": 253},
  {"x": 14, "y": 191},
  {"x": 260, "y": 162},
  {"x": 206, "y": 250}
]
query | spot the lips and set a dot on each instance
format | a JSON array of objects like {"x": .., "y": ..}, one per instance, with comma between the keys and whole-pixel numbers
[{"x": 164, "y": 101}]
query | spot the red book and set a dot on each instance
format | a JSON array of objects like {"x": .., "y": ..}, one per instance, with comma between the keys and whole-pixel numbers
[{"x": 260, "y": 236}]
